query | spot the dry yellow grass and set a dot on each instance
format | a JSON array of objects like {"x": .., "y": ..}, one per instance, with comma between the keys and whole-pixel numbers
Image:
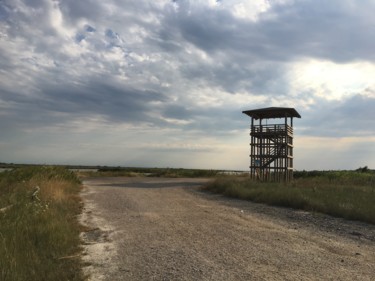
[
  {"x": 40, "y": 229},
  {"x": 54, "y": 190}
]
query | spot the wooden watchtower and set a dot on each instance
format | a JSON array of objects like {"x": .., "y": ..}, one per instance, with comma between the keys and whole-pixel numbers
[{"x": 271, "y": 145}]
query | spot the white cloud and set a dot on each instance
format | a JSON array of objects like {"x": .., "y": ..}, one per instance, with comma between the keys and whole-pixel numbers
[
  {"x": 329, "y": 80},
  {"x": 247, "y": 9},
  {"x": 113, "y": 75}
]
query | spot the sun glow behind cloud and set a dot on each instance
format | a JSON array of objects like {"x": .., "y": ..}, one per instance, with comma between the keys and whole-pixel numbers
[
  {"x": 131, "y": 79},
  {"x": 331, "y": 81}
]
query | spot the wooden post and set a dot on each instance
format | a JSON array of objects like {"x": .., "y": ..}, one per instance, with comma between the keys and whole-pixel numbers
[{"x": 252, "y": 148}]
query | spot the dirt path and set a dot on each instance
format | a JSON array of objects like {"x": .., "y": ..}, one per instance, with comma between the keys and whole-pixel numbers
[{"x": 166, "y": 229}]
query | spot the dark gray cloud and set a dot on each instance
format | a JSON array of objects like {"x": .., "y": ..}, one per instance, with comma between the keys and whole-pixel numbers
[
  {"x": 246, "y": 55},
  {"x": 81, "y": 10},
  {"x": 116, "y": 104},
  {"x": 337, "y": 30},
  {"x": 185, "y": 66},
  {"x": 352, "y": 117},
  {"x": 178, "y": 112}
]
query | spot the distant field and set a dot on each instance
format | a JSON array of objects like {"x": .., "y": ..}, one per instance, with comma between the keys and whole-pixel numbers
[
  {"x": 151, "y": 172},
  {"x": 110, "y": 171},
  {"x": 347, "y": 194},
  {"x": 39, "y": 232}
]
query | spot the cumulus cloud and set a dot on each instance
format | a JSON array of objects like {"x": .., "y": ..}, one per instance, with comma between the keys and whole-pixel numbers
[
  {"x": 352, "y": 117},
  {"x": 184, "y": 68}
]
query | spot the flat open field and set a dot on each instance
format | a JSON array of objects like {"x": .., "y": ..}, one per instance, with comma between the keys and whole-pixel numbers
[{"x": 167, "y": 229}]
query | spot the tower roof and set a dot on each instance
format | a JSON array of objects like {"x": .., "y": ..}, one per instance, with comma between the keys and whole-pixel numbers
[{"x": 272, "y": 112}]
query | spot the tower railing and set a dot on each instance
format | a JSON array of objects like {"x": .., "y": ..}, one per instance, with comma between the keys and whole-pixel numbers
[{"x": 271, "y": 129}]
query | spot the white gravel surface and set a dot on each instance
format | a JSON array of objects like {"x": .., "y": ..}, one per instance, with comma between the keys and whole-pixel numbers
[{"x": 167, "y": 229}]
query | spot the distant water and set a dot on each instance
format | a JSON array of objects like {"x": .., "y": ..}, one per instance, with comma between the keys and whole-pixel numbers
[
  {"x": 83, "y": 170},
  {"x": 233, "y": 172},
  {"x": 5, "y": 169},
  {"x": 74, "y": 170}
]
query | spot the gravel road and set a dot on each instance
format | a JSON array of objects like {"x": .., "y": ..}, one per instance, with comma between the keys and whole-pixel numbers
[{"x": 167, "y": 229}]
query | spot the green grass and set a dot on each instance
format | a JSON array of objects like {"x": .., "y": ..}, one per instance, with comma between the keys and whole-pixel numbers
[
  {"x": 39, "y": 237},
  {"x": 350, "y": 195}
]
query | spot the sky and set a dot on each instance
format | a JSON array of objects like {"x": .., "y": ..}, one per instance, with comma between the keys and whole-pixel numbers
[{"x": 163, "y": 83}]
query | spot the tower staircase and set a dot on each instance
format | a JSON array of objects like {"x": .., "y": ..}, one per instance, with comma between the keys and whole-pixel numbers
[{"x": 273, "y": 151}]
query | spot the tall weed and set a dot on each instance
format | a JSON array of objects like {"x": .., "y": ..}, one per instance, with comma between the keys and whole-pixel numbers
[{"x": 39, "y": 229}]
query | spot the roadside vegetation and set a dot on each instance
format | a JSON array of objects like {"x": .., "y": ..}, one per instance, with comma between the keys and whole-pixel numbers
[
  {"x": 346, "y": 194},
  {"x": 39, "y": 231}
]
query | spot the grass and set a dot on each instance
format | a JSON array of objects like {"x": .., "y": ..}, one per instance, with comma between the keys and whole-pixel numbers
[
  {"x": 350, "y": 195},
  {"x": 39, "y": 235}
]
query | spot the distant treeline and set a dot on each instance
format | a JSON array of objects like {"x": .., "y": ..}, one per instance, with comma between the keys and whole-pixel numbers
[
  {"x": 161, "y": 172},
  {"x": 13, "y": 165},
  {"x": 189, "y": 172},
  {"x": 331, "y": 173}
]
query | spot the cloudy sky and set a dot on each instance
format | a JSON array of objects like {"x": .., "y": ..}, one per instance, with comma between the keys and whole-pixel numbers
[{"x": 163, "y": 83}]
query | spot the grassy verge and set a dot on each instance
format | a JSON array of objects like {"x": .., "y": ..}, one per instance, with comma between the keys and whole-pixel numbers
[
  {"x": 350, "y": 195},
  {"x": 39, "y": 232}
]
